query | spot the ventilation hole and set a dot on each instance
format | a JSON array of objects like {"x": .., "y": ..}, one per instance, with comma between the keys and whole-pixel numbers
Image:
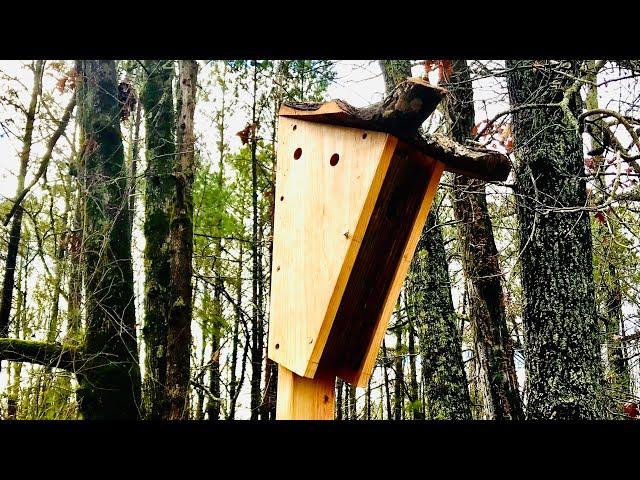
[
  {"x": 277, "y": 346},
  {"x": 364, "y": 135},
  {"x": 295, "y": 127},
  {"x": 335, "y": 158},
  {"x": 298, "y": 153}
]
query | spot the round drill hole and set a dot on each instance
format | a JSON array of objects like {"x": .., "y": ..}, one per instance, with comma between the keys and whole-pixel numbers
[
  {"x": 295, "y": 126},
  {"x": 281, "y": 198},
  {"x": 277, "y": 346},
  {"x": 364, "y": 135},
  {"x": 298, "y": 153},
  {"x": 335, "y": 158}
]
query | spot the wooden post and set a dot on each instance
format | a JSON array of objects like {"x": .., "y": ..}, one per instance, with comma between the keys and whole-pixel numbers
[{"x": 301, "y": 398}]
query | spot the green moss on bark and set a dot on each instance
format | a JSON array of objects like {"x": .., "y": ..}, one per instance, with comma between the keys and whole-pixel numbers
[
  {"x": 157, "y": 99},
  {"x": 106, "y": 392},
  {"x": 563, "y": 360}
]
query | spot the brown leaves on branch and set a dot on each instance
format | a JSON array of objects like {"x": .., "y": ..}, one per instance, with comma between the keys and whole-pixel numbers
[
  {"x": 444, "y": 68},
  {"x": 69, "y": 81},
  {"x": 128, "y": 99},
  {"x": 599, "y": 216},
  {"x": 631, "y": 410},
  {"x": 247, "y": 133},
  {"x": 500, "y": 134}
]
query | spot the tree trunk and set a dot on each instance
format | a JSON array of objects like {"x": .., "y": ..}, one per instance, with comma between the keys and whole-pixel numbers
[
  {"x": 13, "y": 395},
  {"x": 339, "y": 411},
  {"x": 256, "y": 323},
  {"x": 367, "y": 401},
  {"x": 75, "y": 247},
  {"x": 416, "y": 407},
  {"x": 564, "y": 370},
  {"x": 431, "y": 307},
  {"x": 480, "y": 263},
  {"x": 16, "y": 225},
  {"x": 181, "y": 251},
  {"x": 110, "y": 378},
  {"x": 618, "y": 365},
  {"x": 618, "y": 371},
  {"x": 157, "y": 99},
  {"x": 398, "y": 383},
  {"x": 387, "y": 395},
  {"x": 353, "y": 410},
  {"x": 233, "y": 381}
]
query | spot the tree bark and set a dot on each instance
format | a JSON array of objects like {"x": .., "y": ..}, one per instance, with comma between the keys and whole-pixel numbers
[
  {"x": 234, "y": 384},
  {"x": 402, "y": 111},
  {"x": 564, "y": 369},
  {"x": 398, "y": 383},
  {"x": 431, "y": 308},
  {"x": 16, "y": 226},
  {"x": 181, "y": 250},
  {"x": 110, "y": 376},
  {"x": 480, "y": 262},
  {"x": 157, "y": 99},
  {"x": 416, "y": 407},
  {"x": 618, "y": 373},
  {"x": 256, "y": 323}
]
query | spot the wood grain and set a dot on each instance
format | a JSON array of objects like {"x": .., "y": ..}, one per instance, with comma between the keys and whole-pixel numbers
[
  {"x": 321, "y": 214},
  {"x": 301, "y": 398}
]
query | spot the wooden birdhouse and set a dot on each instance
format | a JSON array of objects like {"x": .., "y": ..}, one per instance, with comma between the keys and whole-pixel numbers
[{"x": 353, "y": 190}]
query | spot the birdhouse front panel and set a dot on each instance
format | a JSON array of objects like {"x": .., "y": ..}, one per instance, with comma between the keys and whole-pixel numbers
[{"x": 328, "y": 180}]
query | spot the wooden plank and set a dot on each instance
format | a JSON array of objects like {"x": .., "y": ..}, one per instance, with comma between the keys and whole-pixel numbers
[
  {"x": 301, "y": 398},
  {"x": 361, "y": 377},
  {"x": 321, "y": 214},
  {"x": 373, "y": 272}
]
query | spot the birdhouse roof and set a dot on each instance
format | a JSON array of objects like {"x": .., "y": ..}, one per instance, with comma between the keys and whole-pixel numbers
[{"x": 401, "y": 114}]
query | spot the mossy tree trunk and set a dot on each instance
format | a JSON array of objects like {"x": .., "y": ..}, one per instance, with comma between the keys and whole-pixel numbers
[
  {"x": 110, "y": 376},
  {"x": 618, "y": 373},
  {"x": 480, "y": 262},
  {"x": 181, "y": 250},
  {"x": 564, "y": 369},
  {"x": 431, "y": 307},
  {"x": 414, "y": 390},
  {"x": 157, "y": 99}
]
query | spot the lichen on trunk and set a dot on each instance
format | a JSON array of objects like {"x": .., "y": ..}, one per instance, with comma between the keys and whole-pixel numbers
[
  {"x": 157, "y": 99},
  {"x": 563, "y": 361},
  {"x": 110, "y": 377},
  {"x": 430, "y": 306},
  {"x": 480, "y": 262}
]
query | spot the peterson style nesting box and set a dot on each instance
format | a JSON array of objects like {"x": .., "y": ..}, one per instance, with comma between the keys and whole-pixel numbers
[
  {"x": 351, "y": 204},
  {"x": 351, "y": 200}
]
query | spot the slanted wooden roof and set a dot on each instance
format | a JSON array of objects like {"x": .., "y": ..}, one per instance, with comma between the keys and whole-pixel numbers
[{"x": 401, "y": 114}]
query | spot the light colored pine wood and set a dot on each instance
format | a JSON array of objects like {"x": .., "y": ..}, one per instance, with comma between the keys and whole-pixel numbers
[
  {"x": 321, "y": 214},
  {"x": 301, "y": 398},
  {"x": 361, "y": 378}
]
